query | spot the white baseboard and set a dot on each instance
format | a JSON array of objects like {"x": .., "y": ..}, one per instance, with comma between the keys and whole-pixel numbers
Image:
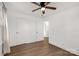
[
  {"x": 65, "y": 48},
  {"x": 25, "y": 42}
]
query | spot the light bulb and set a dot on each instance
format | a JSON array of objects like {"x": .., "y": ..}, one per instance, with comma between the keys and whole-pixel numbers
[{"x": 42, "y": 9}]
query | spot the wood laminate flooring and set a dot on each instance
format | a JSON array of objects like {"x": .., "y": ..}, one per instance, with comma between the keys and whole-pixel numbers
[{"x": 41, "y": 48}]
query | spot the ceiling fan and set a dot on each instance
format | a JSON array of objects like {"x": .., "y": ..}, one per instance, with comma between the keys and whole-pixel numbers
[{"x": 43, "y": 6}]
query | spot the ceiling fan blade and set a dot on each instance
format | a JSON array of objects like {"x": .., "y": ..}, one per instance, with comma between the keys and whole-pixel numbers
[
  {"x": 36, "y": 9},
  {"x": 53, "y": 8},
  {"x": 36, "y": 3},
  {"x": 46, "y": 3}
]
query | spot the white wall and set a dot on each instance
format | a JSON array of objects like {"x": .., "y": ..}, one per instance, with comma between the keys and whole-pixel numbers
[
  {"x": 0, "y": 35},
  {"x": 64, "y": 28},
  {"x": 24, "y": 29},
  {"x": 0, "y": 30}
]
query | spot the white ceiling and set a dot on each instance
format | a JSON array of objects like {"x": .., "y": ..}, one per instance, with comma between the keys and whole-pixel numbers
[{"x": 25, "y": 8}]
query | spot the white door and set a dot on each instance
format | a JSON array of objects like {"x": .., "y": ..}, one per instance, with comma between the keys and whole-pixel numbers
[{"x": 25, "y": 31}]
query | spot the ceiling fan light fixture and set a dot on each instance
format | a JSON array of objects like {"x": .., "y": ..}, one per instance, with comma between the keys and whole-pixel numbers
[
  {"x": 43, "y": 9},
  {"x": 43, "y": 12}
]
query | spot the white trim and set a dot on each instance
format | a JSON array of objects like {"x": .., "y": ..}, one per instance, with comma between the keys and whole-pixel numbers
[
  {"x": 65, "y": 48},
  {"x": 15, "y": 44}
]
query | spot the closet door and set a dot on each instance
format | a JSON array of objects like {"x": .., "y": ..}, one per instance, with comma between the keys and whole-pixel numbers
[{"x": 25, "y": 31}]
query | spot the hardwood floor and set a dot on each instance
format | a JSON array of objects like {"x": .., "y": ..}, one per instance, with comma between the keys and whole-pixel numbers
[{"x": 41, "y": 48}]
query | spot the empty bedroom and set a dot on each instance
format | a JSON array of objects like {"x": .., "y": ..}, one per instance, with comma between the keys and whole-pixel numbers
[{"x": 39, "y": 28}]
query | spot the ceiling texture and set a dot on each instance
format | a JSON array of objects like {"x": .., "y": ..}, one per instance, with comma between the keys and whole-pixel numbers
[{"x": 25, "y": 8}]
